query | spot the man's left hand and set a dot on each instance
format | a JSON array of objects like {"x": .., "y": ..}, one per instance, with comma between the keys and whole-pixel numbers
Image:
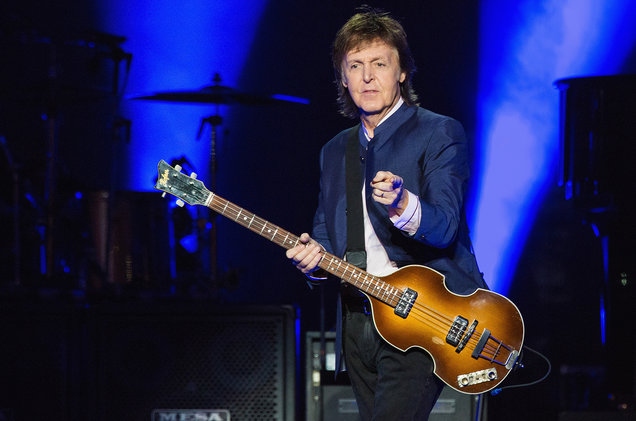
[{"x": 388, "y": 189}]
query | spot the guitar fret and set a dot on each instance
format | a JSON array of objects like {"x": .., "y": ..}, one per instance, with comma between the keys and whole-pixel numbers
[
  {"x": 329, "y": 266},
  {"x": 251, "y": 220},
  {"x": 344, "y": 273},
  {"x": 224, "y": 207},
  {"x": 238, "y": 214},
  {"x": 274, "y": 235},
  {"x": 365, "y": 280},
  {"x": 356, "y": 276},
  {"x": 385, "y": 292},
  {"x": 264, "y": 225}
]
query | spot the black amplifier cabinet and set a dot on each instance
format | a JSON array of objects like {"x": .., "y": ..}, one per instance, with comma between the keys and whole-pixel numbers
[
  {"x": 180, "y": 361},
  {"x": 329, "y": 400}
]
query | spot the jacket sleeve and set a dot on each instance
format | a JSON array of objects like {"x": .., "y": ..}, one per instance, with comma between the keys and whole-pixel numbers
[
  {"x": 319, "y": 231},
  {"x": 443, "y": 184}
]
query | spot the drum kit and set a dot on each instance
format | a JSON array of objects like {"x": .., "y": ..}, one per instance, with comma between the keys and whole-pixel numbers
[{"x": 213, "y": 94}]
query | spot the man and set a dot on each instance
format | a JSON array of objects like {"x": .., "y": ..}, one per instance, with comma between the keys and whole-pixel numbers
[{"x": 415, "y": 169}]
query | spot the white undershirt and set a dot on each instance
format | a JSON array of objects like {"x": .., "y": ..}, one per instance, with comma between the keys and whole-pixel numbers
[{"x": 378, "y": 262}]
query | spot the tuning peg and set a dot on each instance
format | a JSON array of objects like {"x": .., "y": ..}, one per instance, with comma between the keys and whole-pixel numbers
[
  {"x": 180, "y": 203},
  {"x": 193, "y": 175},
  {"x": 163, "y": 194},
  {"x": 178, "y": 167}
]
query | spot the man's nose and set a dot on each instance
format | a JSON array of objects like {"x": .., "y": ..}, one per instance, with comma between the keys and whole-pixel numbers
[{"x": 368, "y": 74}]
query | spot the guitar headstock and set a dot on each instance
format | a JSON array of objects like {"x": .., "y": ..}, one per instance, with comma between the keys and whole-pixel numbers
[{"x": 187, "y": 188}]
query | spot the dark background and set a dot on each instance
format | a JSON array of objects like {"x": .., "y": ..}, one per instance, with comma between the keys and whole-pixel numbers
[{"x": 268, "y": 164}]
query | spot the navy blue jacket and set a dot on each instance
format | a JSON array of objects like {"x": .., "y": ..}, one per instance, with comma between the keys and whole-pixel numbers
[{"x": 429, "y": 151}]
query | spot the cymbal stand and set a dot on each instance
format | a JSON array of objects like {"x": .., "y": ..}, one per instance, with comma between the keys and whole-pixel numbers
[{"x": 214, "y": 121}]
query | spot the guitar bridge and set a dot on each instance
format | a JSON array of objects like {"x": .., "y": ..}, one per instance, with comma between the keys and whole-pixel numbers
[{"x": 403, "y": 307}]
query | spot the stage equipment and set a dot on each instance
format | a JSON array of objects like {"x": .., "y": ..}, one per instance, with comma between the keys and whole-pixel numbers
[
  {"x": 59, "y": 107},
  {"x": 194, "y": 357},
  {"x": 598, "y": 145},
  {"x": 64, "y": 360},
  {"x": 330, "y": 398}
]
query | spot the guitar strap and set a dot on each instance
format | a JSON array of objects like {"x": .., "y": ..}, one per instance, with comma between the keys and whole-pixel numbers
[{"x": 356, "y": 253}]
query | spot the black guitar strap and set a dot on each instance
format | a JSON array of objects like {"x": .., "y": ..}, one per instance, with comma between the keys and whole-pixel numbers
[{"x": 356, "y": 254}]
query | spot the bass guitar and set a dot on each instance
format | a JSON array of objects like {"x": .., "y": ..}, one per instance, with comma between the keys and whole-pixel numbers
[{"x": 474, "y": 340}]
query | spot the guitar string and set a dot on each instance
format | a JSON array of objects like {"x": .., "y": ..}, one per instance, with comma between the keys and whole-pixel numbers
[{"x": 435, "y": 318}]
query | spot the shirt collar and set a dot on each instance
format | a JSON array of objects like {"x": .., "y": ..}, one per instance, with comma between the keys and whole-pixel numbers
[{"x": 390, "y": 113}]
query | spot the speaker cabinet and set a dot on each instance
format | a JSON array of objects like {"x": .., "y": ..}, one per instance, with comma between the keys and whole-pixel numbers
[
  {"x": 38, "y": 348},
  {"x": 454, "y": 406},
  {"x": 184, "y": 359},
  {"x": 329, "y": 400}
]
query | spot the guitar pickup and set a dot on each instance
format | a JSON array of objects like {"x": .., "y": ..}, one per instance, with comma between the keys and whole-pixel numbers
[
  {"x": 468, "y": 335},
  {"x": 403, "y": 307},
  {"x": 457, "y": 330}
]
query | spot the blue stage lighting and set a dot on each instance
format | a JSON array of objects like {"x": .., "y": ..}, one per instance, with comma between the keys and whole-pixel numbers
[
  {"x": 176, "y": 46},
  {"x": 524, "y": 47}
]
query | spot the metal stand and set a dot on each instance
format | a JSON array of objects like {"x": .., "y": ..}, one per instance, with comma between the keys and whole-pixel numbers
[{"x": 214, "y": 121}]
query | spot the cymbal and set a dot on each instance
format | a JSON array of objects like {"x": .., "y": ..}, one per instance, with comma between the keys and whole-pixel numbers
[{"x": 218, "y": 94}]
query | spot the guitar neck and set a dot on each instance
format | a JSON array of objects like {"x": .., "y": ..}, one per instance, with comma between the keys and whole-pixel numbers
[{"x": 349, "y": 273}]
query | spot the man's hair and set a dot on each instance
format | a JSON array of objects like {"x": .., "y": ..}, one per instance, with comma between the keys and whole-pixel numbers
[{"x": 367, "y": 26}]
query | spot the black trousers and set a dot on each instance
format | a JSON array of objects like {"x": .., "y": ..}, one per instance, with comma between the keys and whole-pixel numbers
[{"x": 388, "y": 384}]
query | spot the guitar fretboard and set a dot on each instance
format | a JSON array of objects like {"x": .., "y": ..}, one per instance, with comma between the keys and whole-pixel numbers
[{"x": 351, "y": 274}]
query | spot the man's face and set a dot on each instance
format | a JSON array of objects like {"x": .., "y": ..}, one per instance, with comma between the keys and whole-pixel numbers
[{"x": 372, "y": 74}]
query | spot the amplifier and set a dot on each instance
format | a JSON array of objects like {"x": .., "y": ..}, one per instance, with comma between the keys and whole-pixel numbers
[
  {"x": 194, "y": 362},
  {"x": 331, "y": 400}
]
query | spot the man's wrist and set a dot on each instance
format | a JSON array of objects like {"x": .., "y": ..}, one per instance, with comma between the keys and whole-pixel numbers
[{"x": 409, "y": 219}]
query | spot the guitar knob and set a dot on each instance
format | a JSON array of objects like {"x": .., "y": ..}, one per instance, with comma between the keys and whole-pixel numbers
[
  {"x": 193, "y": 175},
  {"x": 180, "y": 203},
  {"x": 178, "y": 167}
]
